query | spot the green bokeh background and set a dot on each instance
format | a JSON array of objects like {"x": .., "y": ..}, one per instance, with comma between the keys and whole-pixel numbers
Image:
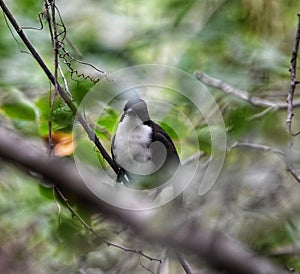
[{"x": 245, "y": 43}]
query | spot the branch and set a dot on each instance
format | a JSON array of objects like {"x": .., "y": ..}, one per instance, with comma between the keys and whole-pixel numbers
[
  {"x": 289, "y": 250},
  {"x": 265, "y": 148},
  {"x": 242, "y": 94},
  {"x": 191, "y": 237},
  {"x": 137, "y": 251},
  {"x": 293, "y": 81},
  {"x": 185, "y": 265},
  {"x": 65, "y": 96},
  {"x": 257, "y": 147},
  {"x": 294, "y": 174},
  {"x": 89, "y": 228}
]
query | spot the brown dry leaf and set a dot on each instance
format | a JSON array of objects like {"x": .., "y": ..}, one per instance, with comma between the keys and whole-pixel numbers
[{"x": 63, "y": 143}]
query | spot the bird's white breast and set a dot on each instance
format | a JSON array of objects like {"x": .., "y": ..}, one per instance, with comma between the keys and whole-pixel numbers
[{"x": 131, "y": 146}]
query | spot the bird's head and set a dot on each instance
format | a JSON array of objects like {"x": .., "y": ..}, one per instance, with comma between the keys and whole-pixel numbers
[{"x": 137, "y": 107}]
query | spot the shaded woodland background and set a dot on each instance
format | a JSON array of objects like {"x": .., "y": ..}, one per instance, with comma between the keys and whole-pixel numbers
[{"x": 247, "y": 44}]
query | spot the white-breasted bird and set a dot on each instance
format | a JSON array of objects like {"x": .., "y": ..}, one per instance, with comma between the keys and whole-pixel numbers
[{"x": 144, "y": 152}]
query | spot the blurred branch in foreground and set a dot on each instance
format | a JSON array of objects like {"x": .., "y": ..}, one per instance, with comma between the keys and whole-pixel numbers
[{"x": 190, "y": 237}]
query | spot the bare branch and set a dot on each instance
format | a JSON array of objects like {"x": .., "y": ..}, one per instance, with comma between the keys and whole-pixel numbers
[
  {"x": 137, "y": 251},
  {"x": 53, "y": 34},
  {"x": 191, "y": 237},
  {"x": 294, "y": 174},
  {"x": 242, "y": 94},
  {"x": 257, "y": 147},
  {"x": 289, "y": 250},
  {"x": 293, "y": 81},
  {"x": 265, "y": 148}
]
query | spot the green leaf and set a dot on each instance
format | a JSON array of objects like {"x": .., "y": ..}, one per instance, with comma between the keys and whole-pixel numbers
[
  {"x": 26, "y": 127},
  {"x": 46, "y": 192},
  {"x": 80, "y": 88},
  {"x": 271, "y": 127},
  {"x": 238, "y": 122},
  {"x": 86, "y": 153},
  {"x": 62, "y": 117},
  {"x": 108, "y": 120},
  {"x": 19, "y": 110},
  {"x": 16, "y": 106},
  {"x": 204, "y": 138}
]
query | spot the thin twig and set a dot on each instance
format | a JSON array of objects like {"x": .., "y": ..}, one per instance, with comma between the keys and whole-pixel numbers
[
  {"x": 53, "y": 34},
  {"x": 89, "y": 228},
  {"x": 59, "y": 45},
  {"x": 54, "y": 192},
  {"x": 293, "y": 81},
  {"x": 146, "y": 268},
  {"x": 137, "y": 251},
  {"x": 74, "y": 48},
  {"x": 242, "y": 94},
  {"x": 267, "y": 149},
  {"x": 257, "y": 147},
  {"x": 73, "y": 212},
  {"x": 260, "y": 114},
  {"x": 64, "y": 79},
  {"x": 41, "y": 15},
  {"x": 293, "y": 173}
]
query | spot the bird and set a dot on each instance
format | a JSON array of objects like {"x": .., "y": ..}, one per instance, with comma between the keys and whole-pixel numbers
[{"x": 143, "y": 151}]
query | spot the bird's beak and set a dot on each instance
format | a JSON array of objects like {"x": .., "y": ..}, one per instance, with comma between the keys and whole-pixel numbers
[{"x": 130, "y": 111}]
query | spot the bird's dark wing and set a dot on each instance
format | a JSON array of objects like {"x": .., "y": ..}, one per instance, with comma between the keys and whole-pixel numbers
[
  {"x": 158, "y": 134},
  {"x": 112, "y": 149}
]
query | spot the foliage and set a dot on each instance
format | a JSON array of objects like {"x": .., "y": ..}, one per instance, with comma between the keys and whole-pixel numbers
[{"x": 245, "y": 43}]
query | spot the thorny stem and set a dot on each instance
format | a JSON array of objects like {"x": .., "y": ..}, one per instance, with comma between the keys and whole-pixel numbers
[{"x": 293, "y": 81}]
